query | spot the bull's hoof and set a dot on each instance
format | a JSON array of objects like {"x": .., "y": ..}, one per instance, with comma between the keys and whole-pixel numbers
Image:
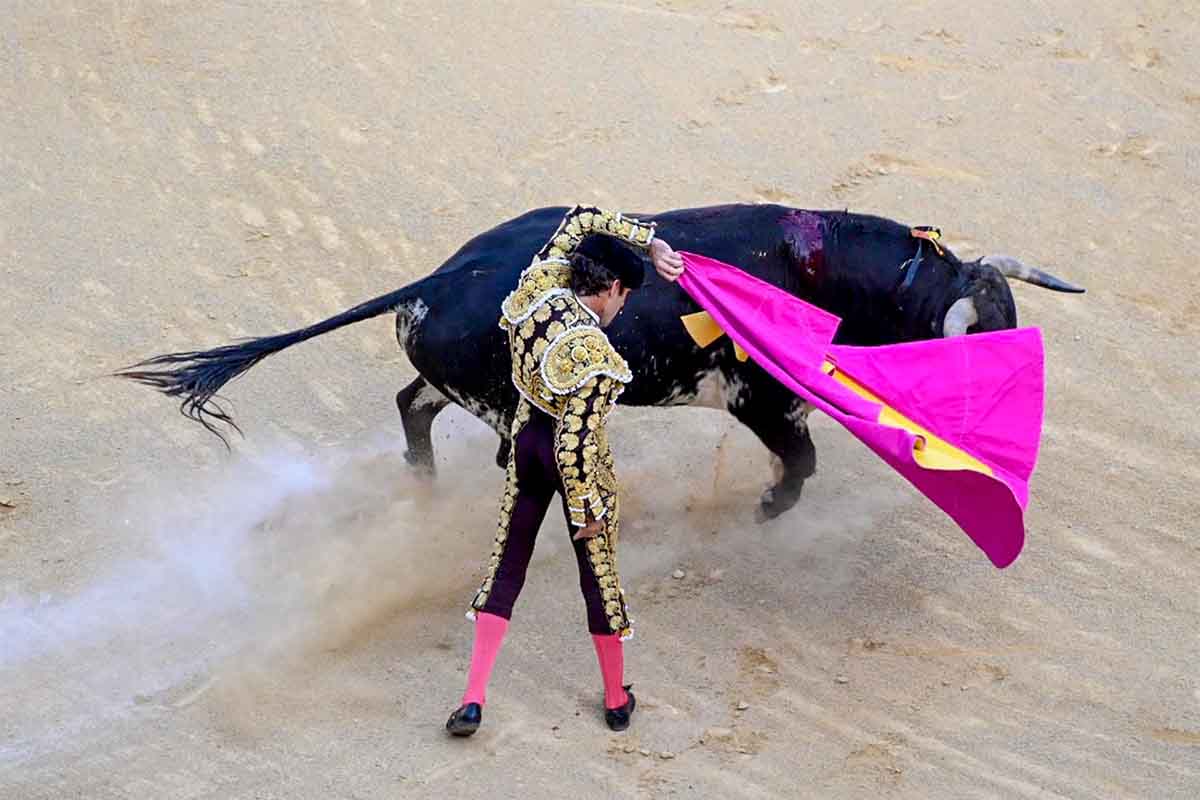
[{"x": 776, "y": 500}]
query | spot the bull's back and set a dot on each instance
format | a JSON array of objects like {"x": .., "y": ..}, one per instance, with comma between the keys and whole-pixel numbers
[
  {"x": 451, "y": 331},
  {"x": 460, "y": 348},
  {"x": 725, "y": 232}
]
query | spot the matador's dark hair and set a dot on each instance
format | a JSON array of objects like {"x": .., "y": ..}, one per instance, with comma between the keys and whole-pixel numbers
[{"x": 599, "y": 260}]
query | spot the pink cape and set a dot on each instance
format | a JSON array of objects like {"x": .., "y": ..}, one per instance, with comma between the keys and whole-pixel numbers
[{"x": 977, "y": 400}]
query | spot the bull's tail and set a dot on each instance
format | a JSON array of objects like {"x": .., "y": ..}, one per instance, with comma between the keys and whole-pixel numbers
[{"x": 196, "y": 376}]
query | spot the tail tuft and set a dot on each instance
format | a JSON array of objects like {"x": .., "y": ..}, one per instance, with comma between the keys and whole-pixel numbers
[{"x": 196, "y": 377}]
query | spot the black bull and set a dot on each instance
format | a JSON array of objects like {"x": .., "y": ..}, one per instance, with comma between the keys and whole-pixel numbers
[{"x": 886, "y": 285}]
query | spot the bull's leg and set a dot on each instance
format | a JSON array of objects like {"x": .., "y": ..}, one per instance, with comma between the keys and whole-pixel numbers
[
  {"x": 780, "y": 420},
  {"x": 501, "y": 423},
  {"x": 419, "y": 403},
  {"x": 498, "y": 419},
  {"x": 503, "y": 451}
]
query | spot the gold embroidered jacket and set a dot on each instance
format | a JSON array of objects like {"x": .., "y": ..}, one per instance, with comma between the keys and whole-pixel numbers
[{"x": 564, "y": 364}]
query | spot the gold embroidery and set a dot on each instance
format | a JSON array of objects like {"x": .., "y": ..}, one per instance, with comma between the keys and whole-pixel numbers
[
  {"x": 578, "y": 355},
  {"x": 602, "y": 557},
  {"x": 581, "y": 221},
  {"x": 542, "y": 281},
  {"x": 563, "y": 364},
  {"x": 605, "y": 478},
  {"x": 506, "y": 506}
]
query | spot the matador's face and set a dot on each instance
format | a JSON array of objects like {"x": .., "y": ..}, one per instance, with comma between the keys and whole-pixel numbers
[{"x": 614, "y": 301}]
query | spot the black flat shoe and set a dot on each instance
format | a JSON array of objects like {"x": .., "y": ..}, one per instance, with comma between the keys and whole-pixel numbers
[
  {"x": 465, "y": 721},
  {"x": 618, "y": 718}
]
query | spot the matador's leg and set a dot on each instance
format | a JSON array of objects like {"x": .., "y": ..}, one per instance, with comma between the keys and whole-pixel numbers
[
  {"x": 590, "y": 555},
  {"x": 526, "y": 499},
  {"x": 598, "y": 578},
  {"x": 527, "y": 496}
]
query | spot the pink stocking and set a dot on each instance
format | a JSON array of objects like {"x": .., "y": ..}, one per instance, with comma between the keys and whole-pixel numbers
[
  {"x": 489, "y": 635},
  {"x": 611, "y": 655}
]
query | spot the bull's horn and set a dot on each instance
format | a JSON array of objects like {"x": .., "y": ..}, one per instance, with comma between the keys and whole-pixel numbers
[
  {"x": 1011, "y": 267},
  {"x": 961, "y": 316}
]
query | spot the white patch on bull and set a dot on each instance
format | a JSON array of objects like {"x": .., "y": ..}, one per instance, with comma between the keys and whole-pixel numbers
[
  {"x": 489, "y": 416},
  {"x": 408, "y": 316},
  {"x": 711, "y": 389},
  {"x": 428, "y": 396},
  {"x": 798, "y": 416},
  {"x": 680, "y": 393},
  {"x": 735, "y": 393}
]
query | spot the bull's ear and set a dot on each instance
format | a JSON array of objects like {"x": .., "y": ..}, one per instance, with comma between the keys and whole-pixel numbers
[{"x": 1016, "y": 269}]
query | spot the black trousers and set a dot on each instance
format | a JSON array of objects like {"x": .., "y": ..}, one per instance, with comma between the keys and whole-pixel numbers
[{"x": 538, "y": 481}]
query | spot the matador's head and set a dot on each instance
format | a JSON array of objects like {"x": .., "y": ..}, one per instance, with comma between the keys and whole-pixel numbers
[{"x": 603, "y": 273}]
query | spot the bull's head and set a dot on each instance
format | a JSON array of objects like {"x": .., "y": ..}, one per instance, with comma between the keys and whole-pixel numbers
[{"x": 987, "y": 303}]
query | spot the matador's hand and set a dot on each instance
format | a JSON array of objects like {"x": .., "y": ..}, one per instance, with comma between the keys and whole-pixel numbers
[
  {"x": 667, "y": 262},
  {"x": 589, "y": 531}
]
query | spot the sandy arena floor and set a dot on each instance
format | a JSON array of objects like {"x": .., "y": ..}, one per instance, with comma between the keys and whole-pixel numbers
[{"x": 286, "y": 621}]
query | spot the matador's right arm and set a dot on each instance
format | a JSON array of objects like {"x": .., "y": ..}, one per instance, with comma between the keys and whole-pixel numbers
[
  {"x": 583, "y": 220},
  {"x": 583, "y": 368}
]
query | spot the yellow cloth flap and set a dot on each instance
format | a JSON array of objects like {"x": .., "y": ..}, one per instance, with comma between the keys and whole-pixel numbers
[
  {"x": 930, "y": 451},
  {"x": 703, "y": 329}
]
